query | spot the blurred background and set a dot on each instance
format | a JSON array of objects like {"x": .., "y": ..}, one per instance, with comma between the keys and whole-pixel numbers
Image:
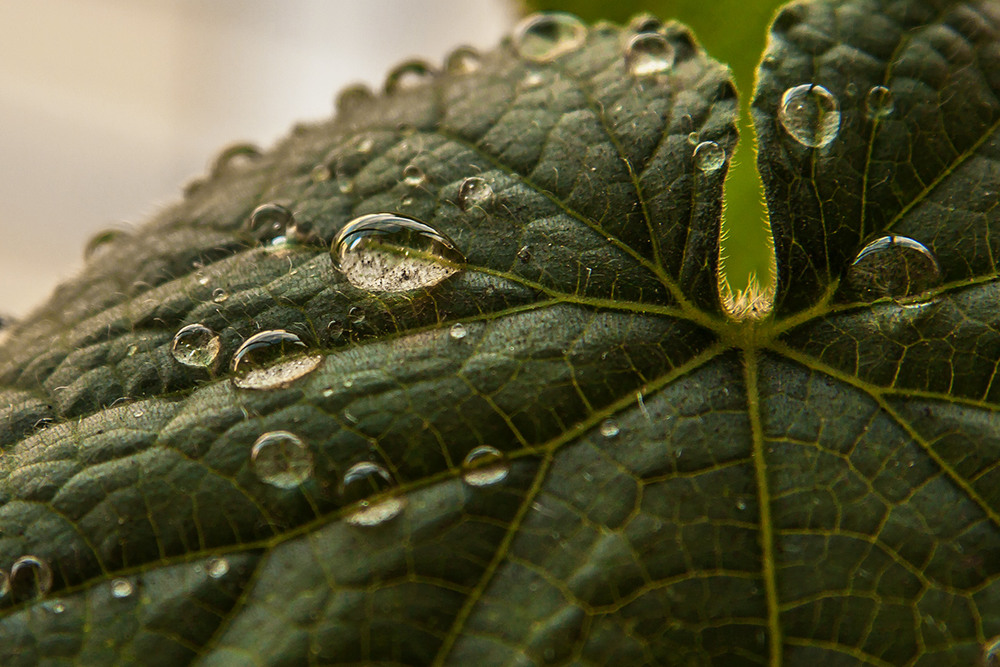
[{"x": 107, "y": 107}]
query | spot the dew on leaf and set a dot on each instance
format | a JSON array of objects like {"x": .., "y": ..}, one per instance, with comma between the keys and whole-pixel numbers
[
  {"x": 219, "y": 295},
  {"x": 892, "y": 266},
  {"x": 474, "y": 192},
  {"x": 320, "y": 173},
  {"x": 648, "y": 54},
  {"x": 234, "y": 156},
  {"x": 693, "y": 138},
  {"x": 362, "y": 483},
  {"x": 30, "y": 577},
  {"x": 269, "y": 221},
  {"x": 281, "y": 459},
  {"x": 353, "y": 97},
  {"x": 544, "y": 36},
  {"x": 484, "y": 466},
  {"x": 121, "y": 588},
  {"x": 217, "y": 568},
  {"x": 392, "y": 253},
  {"x": 101, "y": 242},
  {"x": 609, "y": 428},
  {"x": 196, "y": 346},
  {"x": 414, "y": 176},
  {"x": 879, "y": 103},
  {"x": 356, "y": 315},
  {"x": 409, "y": 75},
  {"x": 709, "y": 156},
  {"x": 262, "y": 361},
  {"x": 644, "y": 23},
  {"x": 810, "y": 114},
  {"x": 463, "y": 60},
  {"x": 457, "y": 331}
]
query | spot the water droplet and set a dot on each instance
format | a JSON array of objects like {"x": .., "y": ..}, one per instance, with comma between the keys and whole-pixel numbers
[
  {"x": 484, "y": 466},
  {"x": 392, "y": 253},
  {"x": 269, "y": 221},
  {"x": 101, "y": 242},
  {"x": 648, "y": 54},
  {"x": 320, "y": 173},
  {"x": 4, "y": 584},
  {"x": 741, "y": 505},
  {"x": 457, "y": 331},
  {"x": 56, "y": 607},
  {"x": 122, "y": 588},
  {"x": 409, "y": 75},
  {"x": 709, "y": 156},
  {"x": 893, "y": 266},
  {"x": 353, "y": 97},
  {"x": 217, "y": 568},
  {"x": 991, "y": 653},
  {"x": 463, "y": 60},
  {"x": 334, "y": 330},
  {"x": 220, "y": 295},
  {"x": 532, "y": 79},
  {"x": 414, "y": 176},
  {"x": 234, "y": 156},
  {"x": 356, "y": 315},
  {"x": 545, "y": 36},
  {"x": 609, "y": 428},
  {"x": 644, "y": 23},
  {"x": 879, "y": 103},
  {"x": 196, "y": 346},
  {"x": 281, "y": 459},
  {"x": 261, "y": 361},
  {"x": 693, "y": 138},
  {"x": 30, "y": 577},
  {"x": 810, "y": 114},
  {"x": 361, "y": 482},
  {"x": 202, "y": 278},
  {"x": 474, "y": 192}
]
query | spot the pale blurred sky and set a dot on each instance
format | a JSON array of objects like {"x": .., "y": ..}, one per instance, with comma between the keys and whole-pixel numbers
[{"x": 107, "y": 107}]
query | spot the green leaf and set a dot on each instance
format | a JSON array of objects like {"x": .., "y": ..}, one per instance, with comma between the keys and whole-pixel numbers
[{"x": 672, "y": 484}]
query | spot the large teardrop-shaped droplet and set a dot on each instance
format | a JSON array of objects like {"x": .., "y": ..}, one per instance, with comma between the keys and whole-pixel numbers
[
  {"x": 30, "y": 577},
  {"x": 272, "y": 359},
  {"x": 269, "y": 221},
  {"x": 810, "y": 114},
  {"x": 545, "y": 36},
  {"x": 709, "y": 156},
  {"x": 484, "y": 466},
  {"x": 648, "y": 54},
  {"x": 409, "y": 75},
  {"x": 474, "y": 192},
  {"x": 392, "y": 253},
  {"x": 195, "y": 346},
  {"x": 281, "y": 459},
  {"x": 892, "y": 266},
  {"x": 879, "y": 103},
  {"x": 363, "y": 482}
]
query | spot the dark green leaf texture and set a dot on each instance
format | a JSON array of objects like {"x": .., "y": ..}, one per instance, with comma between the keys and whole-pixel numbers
[{"x": 819, "y": 486}]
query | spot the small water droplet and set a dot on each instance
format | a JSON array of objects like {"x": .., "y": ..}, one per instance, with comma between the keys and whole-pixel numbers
[
  {"x": 544, "y": 36},
  {"x": 457, "y": 331},
  {"x": 463, "y": 60},
  {"x": 269, "y": 221},
  {"x": 851, "y": 89},
  {"x": 237, "y": 155},
  {"x": 356, "y": 315},
  {"x": 414, "y": 176},
  {"x": 100, "y": 243},
  {"x": 644, "y": 23},
  {"x": 693, "y": 138},
  {"x": 409, "y": 75},
  {"x": 277, "y": 375},
  {"x": 484, "y": 466},
  {"x": 741, "y": 505},
  {"x": 609, "y": 428},
  {"x": 320, "y": 173},
  {"x": 56, "y": 607},
  {"x": 121, "y": 588},
  {"x": 524, "y": 254},
  {"x": 202, "y": 278},
  {"x": 195, "y": 346},
  {"x": 893, "y": 266},
  {"x": 220, "y": 295},
  {"x": 334, "y": 330},
  {"x": 648, "y": 54},
  {"x": 879, "y": 103},
  {"x": 353, "y": 97},
  {"x": 709, "y": 156},
  {"x": 361, "y": 482},
  {"x": 532, "y": 79},
  {"x": 810, "y": 114},
  {"x": 392, "y": 253},
  {"x": 30, "y": 577},
  {"x": 217, "y": 568},
  {"x": 261, "y": 361},
  {"x": 474, "y": 192},
  {"x": 991, "y": 653},
  {"x": 137, "y": 413},
  {"x": 281, "y": 459}
]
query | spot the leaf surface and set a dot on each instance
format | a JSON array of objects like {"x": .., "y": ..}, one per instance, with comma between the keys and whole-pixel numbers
[{"x": 677, "y": 486}]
